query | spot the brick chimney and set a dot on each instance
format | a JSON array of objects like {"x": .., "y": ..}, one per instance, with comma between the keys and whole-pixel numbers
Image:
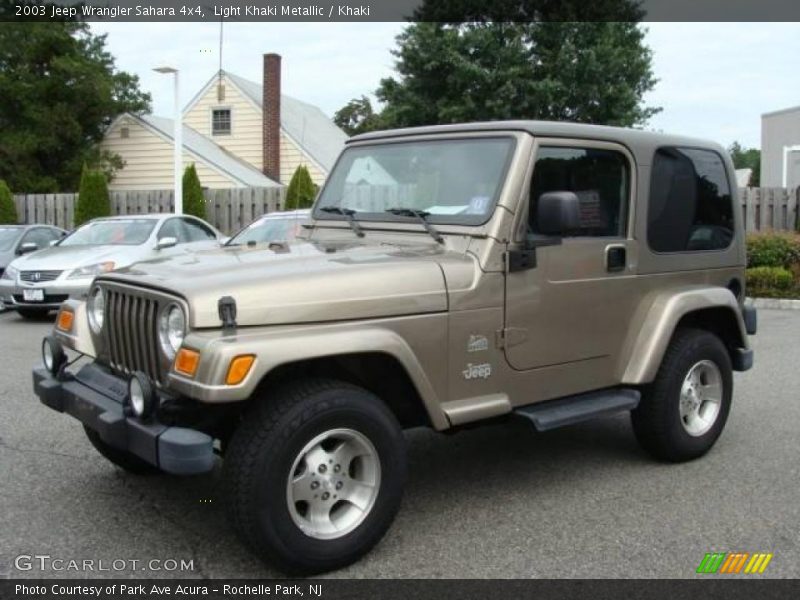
[{"x": 271, "y": 125}]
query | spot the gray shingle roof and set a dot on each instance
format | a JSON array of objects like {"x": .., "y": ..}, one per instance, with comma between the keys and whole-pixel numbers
[
  {"x": 317, "y": 135},
  {"x": 211, "y": 153}
]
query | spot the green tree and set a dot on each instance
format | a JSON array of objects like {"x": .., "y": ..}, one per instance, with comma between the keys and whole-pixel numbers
[
  {"x": 590, "y": 72},
  {"x": 523, "y": 11},
  {"x": 301, "y": 190},
  {"x": 59, "y": 90},
  {"x": 747, "y": 158},
  {"x": 8, "y": 210},
  {"x": 193, "y": 201},
  {"x": 357, "y": 116},
  {"x": 93, "y": 198}
]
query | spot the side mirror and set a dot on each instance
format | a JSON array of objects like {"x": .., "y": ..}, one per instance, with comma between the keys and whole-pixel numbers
[
  {"x": 27, "y": 248},
  {"x": 166, "y": 242},
  {"x": 558, "y": 213},
  {"x": 54, "y": 242}
]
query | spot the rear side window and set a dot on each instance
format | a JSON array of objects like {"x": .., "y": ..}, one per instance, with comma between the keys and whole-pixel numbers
[{"x": 691, "y": 206}]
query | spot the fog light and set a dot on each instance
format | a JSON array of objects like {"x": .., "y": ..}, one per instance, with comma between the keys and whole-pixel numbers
[
  {"x": 141, "y": 397},
  {"x": 53, "y": 355}
]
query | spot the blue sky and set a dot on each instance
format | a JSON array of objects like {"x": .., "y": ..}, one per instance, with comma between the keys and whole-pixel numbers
[{"x": 715, "y": 79}]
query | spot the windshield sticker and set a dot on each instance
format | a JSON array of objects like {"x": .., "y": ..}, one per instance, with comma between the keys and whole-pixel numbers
[{"x": 478, "y": 205}]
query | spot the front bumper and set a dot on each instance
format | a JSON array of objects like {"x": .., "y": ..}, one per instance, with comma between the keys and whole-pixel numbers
[
  {"x": 12, "y": 293},
  {"x": 95, "y": 397}
]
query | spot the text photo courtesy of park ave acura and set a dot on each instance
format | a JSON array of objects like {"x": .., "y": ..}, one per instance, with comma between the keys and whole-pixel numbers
[{"x": 437, "y": 298}]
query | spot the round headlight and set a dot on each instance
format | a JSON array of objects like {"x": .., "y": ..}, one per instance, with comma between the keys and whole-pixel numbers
[
  {"x": 96, "y": 309},
  {"x": 171, "y": 329}
]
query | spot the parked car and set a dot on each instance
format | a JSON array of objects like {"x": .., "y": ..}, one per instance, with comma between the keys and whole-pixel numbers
[
  {"x": 549, "y": 272},
  {"x": 16, "y": 240},
  {"x": 273, "y": 227},
  {"x": 37, "y": 283}
]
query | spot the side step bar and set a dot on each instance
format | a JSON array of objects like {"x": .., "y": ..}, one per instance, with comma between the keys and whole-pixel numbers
[{"x": 574, "y": 409}]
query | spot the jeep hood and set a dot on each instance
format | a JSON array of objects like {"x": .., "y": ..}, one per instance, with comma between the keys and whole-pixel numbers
[{"x": 302, "y": 281}]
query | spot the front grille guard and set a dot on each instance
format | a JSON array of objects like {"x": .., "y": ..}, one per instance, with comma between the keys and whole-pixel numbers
[
  {"x": 132, "y": 334},
  {"x": 129, "y": 339}
]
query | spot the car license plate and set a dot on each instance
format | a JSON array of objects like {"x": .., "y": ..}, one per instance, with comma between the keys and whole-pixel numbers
[{"x": 33, "y": 295}]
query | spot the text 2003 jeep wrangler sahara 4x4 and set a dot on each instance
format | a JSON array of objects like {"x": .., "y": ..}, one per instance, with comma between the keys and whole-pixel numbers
[{"x": 451, "y": 274}]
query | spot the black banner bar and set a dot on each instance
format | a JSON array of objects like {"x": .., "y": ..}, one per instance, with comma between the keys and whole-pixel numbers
[
  {"x": 398, "y": 10},
  {"x": 707, "y": 588}
]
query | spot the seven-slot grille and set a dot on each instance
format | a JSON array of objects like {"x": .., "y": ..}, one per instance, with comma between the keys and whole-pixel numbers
[
  {"x": 37, "y": 276},
  {"x": 131, "y": 333}
]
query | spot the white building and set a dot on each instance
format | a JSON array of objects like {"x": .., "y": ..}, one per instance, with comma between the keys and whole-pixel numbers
[
  {"x": 239, "y": 133},
  {"x": 780, "y": 130}
]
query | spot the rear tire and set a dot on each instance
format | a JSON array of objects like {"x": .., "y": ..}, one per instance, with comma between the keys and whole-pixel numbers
[
  {"x": 315, "y": 475},
  {"x": 124, "y": 460},
  {"x": 33, "y": 313},
  {"x": 683, "y": 412}
]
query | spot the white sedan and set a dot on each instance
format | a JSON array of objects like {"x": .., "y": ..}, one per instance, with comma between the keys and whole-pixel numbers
[{"x": 39, "y": 282}]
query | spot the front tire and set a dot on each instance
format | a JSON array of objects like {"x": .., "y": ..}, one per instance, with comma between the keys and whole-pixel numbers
[
  {"x": 315, "y": 475},
  {"x": 683, "y": 412}
]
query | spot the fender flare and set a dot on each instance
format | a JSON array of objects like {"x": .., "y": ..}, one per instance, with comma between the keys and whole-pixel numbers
[
  {"x": 278, "y": 349},
  {"x": 646, "y": 346}
]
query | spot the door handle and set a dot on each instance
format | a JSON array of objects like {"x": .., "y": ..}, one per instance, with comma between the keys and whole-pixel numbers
[{"x": 616, "y": 257}]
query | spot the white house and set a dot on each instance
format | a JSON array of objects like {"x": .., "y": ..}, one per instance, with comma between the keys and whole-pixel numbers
[{"x": 239, "y": 133}]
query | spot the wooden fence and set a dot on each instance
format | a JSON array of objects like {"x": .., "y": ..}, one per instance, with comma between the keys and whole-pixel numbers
[
  {"x": 227, "y": 209},
  {"x": 766, "y": 209},
  {"x": 230, "y": 209}
]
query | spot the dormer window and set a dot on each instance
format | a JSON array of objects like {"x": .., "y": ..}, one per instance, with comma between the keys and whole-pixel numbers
[{"x": 221, "y": 121}]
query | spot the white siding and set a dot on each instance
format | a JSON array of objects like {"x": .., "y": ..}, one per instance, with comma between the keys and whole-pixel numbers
[
  {"x": 292, "y": 157},
  {"x": 148, "y": 160},
  {"x": 244, "y": 141}
]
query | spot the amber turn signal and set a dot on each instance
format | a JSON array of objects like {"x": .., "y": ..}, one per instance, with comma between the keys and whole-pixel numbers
[
  {"x": 239, "y": 368},
  {"x": 186, "y": 362},
  {"x": 65, "y": 320}
]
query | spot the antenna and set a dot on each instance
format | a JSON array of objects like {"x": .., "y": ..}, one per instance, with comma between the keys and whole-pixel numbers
[{"x": 221, "y": 23}]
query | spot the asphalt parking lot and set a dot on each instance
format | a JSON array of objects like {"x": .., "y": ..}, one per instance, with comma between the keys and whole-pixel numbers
[{"x": 499, "y": 501}]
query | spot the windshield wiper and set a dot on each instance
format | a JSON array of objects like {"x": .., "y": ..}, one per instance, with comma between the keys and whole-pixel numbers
[
  {"x": 347, "y": 213},
  {"x": 421, "y": 216}
]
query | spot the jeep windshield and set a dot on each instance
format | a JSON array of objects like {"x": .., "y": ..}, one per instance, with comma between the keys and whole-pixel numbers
[{"x": 455, "y": 181}]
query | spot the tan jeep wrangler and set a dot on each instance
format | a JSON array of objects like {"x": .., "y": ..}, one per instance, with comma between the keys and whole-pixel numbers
[{"x": 553, "y": 272}]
